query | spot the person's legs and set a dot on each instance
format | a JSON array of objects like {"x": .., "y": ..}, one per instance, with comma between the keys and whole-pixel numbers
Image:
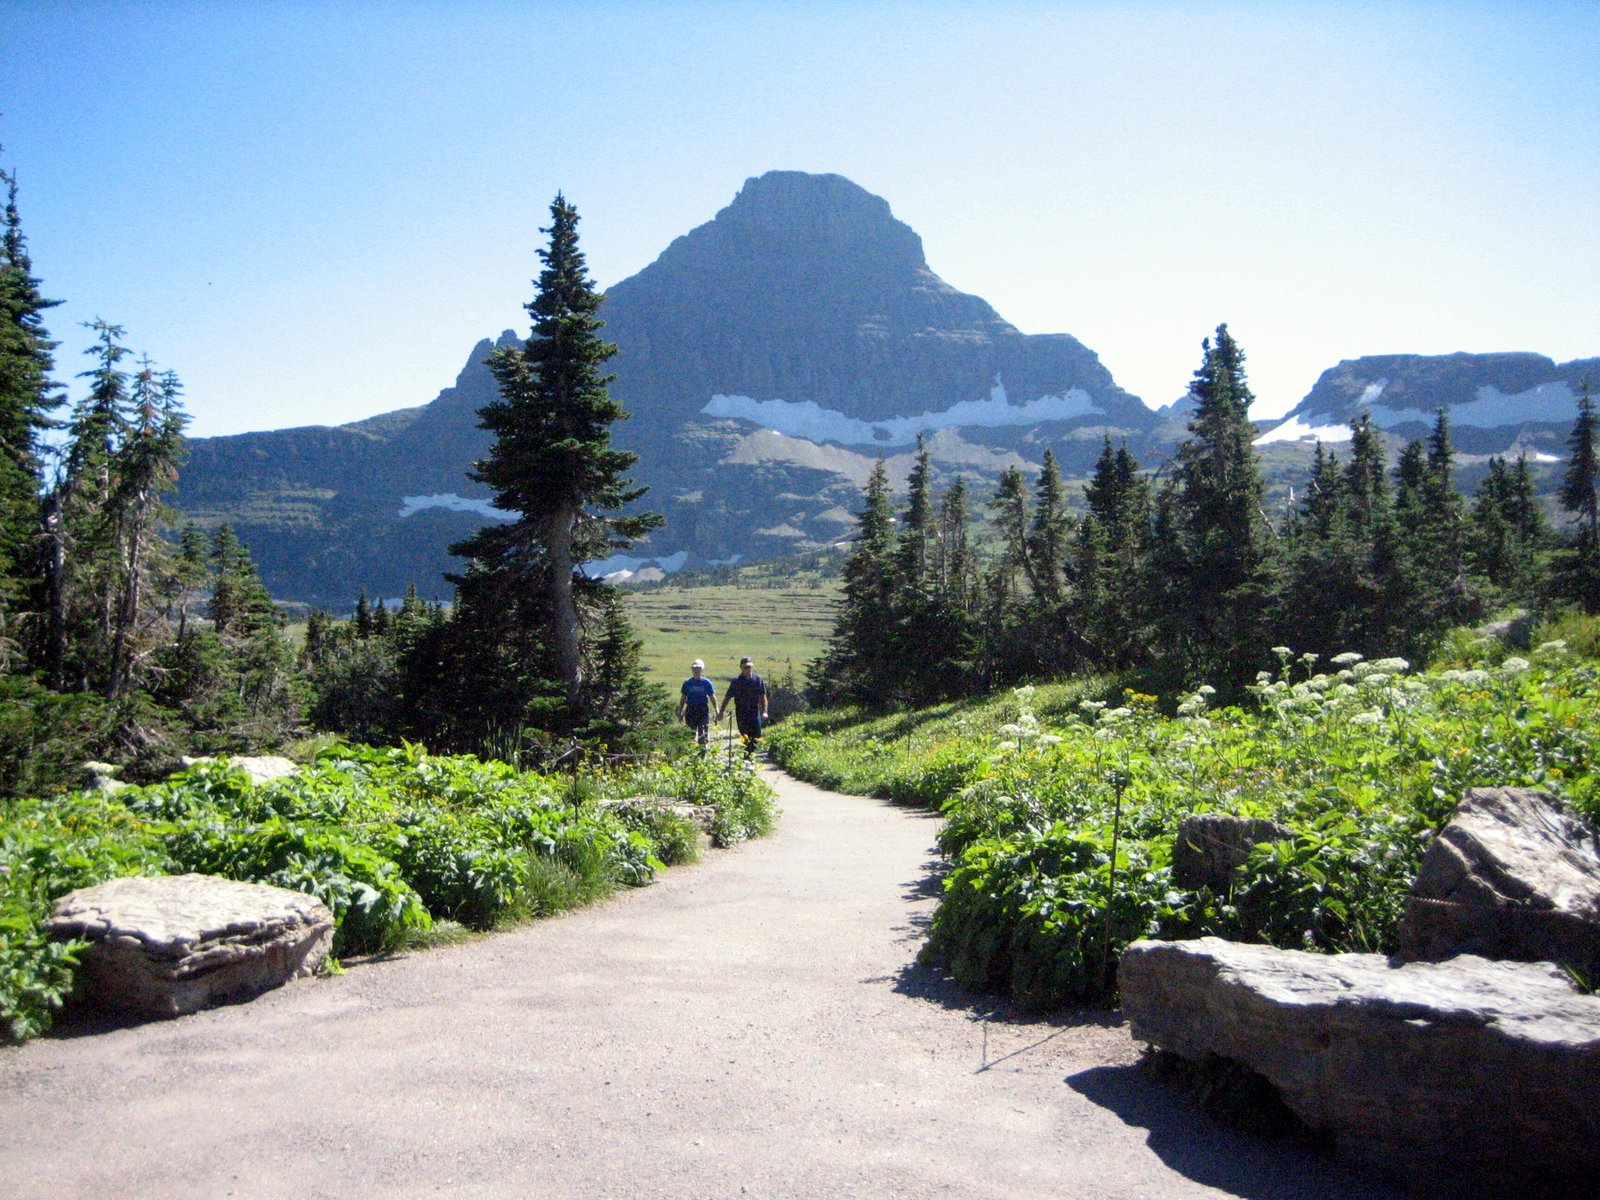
[{"x": 751, "y": 733}]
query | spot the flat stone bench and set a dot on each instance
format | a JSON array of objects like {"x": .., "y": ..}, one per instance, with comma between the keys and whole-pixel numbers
[{"x": 167, "y": 945}]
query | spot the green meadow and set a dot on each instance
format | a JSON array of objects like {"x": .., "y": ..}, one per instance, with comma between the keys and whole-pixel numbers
[{"x": 781, "y": 625}]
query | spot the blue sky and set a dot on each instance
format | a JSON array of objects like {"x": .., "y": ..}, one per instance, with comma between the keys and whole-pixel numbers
[{"x": 311, "y": 211}]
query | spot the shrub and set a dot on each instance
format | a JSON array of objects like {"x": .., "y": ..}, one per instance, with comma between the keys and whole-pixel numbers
[
  {"x": 1363, "y": 761},
  {"x": 389, "y": 839}
]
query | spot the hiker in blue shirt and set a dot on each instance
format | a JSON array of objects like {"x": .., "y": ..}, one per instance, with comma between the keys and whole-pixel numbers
[
  {"x": 694, "y": 702},
  {"x": 748, "y": 692}
]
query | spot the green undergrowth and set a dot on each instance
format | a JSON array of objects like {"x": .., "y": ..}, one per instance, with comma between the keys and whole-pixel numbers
[
  {"x": 406, "y": 848},
  {"x": 1362, "y": 761},
  {"x": 915, "y": 756}
]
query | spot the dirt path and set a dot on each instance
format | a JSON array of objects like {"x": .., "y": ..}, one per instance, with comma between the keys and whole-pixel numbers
[{"x": 751, "y": 1026}]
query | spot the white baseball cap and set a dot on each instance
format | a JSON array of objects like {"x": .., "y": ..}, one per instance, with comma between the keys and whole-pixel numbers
[{"x": 697, "y": 663}]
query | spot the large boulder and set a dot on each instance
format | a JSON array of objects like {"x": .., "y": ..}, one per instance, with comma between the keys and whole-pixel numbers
[
  {"x": 173, "y": 944},
  {"x": 102, "y": 777},
  {"x": 1210, "y": 847},
  {"x": 1483, "y": 1074},
  {"x": 1515, "y": 875}
]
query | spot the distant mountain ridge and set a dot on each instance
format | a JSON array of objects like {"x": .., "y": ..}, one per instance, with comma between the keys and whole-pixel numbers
[
  {"x": 767, "y": 359},
  {"x": 1497, "y": 403}
]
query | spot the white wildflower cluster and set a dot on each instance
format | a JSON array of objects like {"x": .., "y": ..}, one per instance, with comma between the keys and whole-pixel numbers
[
  {"x": 1102, "y": 718},
  {"x": 1026, "y": 729},
  {"x": 1195, "y": 704},
  {"x": 1370, "y": 688}
]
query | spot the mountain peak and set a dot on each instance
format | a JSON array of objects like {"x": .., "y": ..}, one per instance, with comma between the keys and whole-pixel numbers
[
  {"x": 818, "y": 225},
  {"x": 827, "y": 212}
]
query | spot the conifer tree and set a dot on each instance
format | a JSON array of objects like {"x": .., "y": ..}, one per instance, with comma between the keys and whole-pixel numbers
[
  {"x": 1372, "y": 597},
  {"x": 146, "y": 468},
  {"x": 946, "y": 632},
  {"x": 552, "y": 464},
  {"x": 857, "y": 663},
  {"x": 1050, "y": 534},
  {"x": 1010, "y": 505},
  {"x": 27, "y": 398},
  {"x": 1443, "y": 592},
  {"x": 1320, "y": 563},
  {"x": 186, "y": 579},
  {"x": 1111, "y": 559},
  {"x": 78, "y": 574},
  {"x": 918, "y": 528},
  {"x": 955, "y": 550},
  {"x": 619, "y": 687},
  {"x": 1214, "y": 552},
  {"x": 1508, "y": 531},
  {"x": 1010, "y": 586},
  {"x": 1578, "y": 567}
]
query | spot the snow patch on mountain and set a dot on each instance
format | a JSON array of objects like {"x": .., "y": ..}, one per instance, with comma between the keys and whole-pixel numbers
[
  {"x": 411, "y": 505},
  {"x": 808, "y": 419},
  {"x": 1550, "y": 403},
  {"x": 1296, "y": 430}
]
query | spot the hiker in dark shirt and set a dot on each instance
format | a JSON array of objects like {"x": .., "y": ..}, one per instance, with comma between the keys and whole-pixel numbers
[
  {"x": 748, "y": 692},
  {"x": 694, "y": 702}
]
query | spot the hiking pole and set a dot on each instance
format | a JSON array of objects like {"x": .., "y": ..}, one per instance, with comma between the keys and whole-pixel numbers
[{"x": 1120, "y": 783}]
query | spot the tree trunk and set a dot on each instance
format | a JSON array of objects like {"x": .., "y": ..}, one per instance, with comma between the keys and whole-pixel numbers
[
  {"x": 56, "y": 585},
  {"x": 564, "y": 606},
  {"x": 127, "y": 613}
]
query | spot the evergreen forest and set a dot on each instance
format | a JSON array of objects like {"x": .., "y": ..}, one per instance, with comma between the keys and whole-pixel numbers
[{"x": 1181, "y": 576}]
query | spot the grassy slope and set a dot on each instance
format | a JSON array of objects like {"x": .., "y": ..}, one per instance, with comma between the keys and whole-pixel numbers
[{"x": 782, "y": 626}]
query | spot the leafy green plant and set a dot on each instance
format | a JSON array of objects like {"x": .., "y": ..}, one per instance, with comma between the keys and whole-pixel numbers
[
  {"x": 392, "y": 840},
  {"x": 1363, "y": 761}
]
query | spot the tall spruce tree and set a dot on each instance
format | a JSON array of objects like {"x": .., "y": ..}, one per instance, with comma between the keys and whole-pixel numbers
[
  {"x": 919, "y": 528},
  {"x": 79, "y": 552},
  {"x": 27, "y": 398},
  {"x": 1050, "y": 535},
  {"x": 1445, "y": 592},
  {"x": 1215, "y": 549},
  {"x": 552, "y": 464},
  {"x": 1112, "y": 559},
  {"x": 857, "y": 663},
  {"x": 949, "y": 629},
  {"x": 1578, "y": 566},
  {"x": 1509, "y": 534},
  {"x": 146, "y": 470}
]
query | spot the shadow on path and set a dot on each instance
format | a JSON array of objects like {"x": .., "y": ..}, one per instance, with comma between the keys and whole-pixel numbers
[{"x": 1208, "y": 1152}]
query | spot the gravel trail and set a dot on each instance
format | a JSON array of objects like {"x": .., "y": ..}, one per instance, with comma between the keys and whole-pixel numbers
[{"x": 752, "y": 1026}]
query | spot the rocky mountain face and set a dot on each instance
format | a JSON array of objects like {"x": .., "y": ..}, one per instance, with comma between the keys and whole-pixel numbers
[
  {"x": 767, "y": 359},
  {"x": 1497, "y": 403}
]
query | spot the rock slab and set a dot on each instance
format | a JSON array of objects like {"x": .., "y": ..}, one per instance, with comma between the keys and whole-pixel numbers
[
  {"x": 1484, "y": 1074},
  {"x": 168, "y": 945},
  {"x": 1515, "y": 875}
]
